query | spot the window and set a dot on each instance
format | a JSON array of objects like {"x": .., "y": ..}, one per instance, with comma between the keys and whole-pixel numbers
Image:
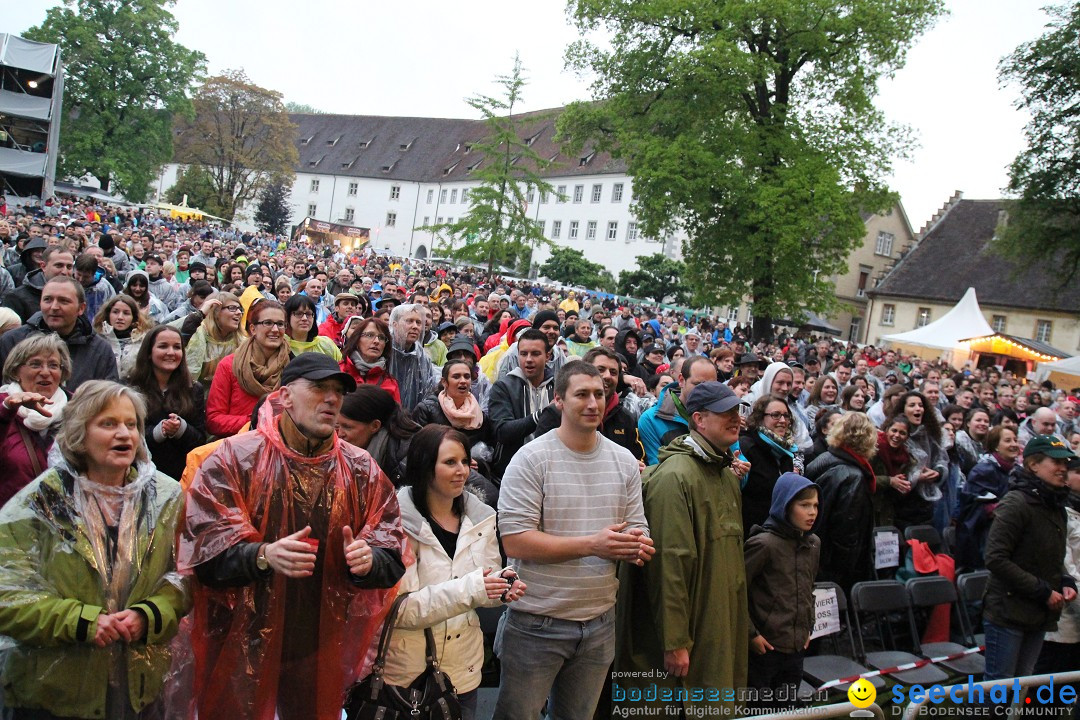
[
  {"x": 311, "y": 209},
  {"x": 543, "y": 197},
  {"x": 612, "y": 230},
  {"x": 353, "y": 189},
  {"x": 923, "y": 318},
  {"x": 1043, "y": 330},
  {"x": 427, "y": 220},
  {"x": 450, "y": 220},
  {"x": 395, "y": 192},
  {"x": 616, "y": 193},
  {"x": 560, "y": 194},
  {"x": 884, "y": 243},
  {"x": 864, "y": 278},
  {"x": 597, "y": 191},
  {"x": 590, "y": 230},
  {"x": 391, "y": 219},
  {"x": 465, "y": 195},
  {"x": 438, "y": 220},
  {"x": 529, "y": 195},
  {"x": 350, "y": 215},
  {"x": 315, "y": 185},
  {"x": 998, "y": 323},
  {"x": 453, "y": 196},
  {"x": 579, "y": 193},
  {"x": 854, "y": 329},
  {"x": 631, "y": 231},
  {"x": 541, "y": 224},
  {"x": 733, "y": 314},
  {"x": 888, "y": 314},
  {"x": 556, "y": 228},
  {"x": 442, "y": 196},
  {"x": 430, "y": 196},
  {"x": 750, "y": 314},
  {"x": 572, "y": 233}
]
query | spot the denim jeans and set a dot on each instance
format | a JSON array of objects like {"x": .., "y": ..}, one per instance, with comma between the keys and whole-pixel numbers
[
  {"x": 560, "y": 661},
  {"x": 1010, "y": 652}
]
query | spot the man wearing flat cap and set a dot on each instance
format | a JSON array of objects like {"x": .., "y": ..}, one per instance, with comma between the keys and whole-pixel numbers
[{"x": 295, "y": 541}]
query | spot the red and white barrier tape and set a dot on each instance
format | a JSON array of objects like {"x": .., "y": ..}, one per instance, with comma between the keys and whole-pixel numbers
[{"x": 900, "y": 668}]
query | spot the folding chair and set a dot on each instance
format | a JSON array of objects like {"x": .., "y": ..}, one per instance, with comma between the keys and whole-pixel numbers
[
  {"x": 927, "y": 533},
  {"x": 971, "y": 587},
  {"x": 887, "y": 572},
  {"x": 927, "y": 593},
  {"x": 879, "y": 598},
  {"x": 820, "y": 669}
]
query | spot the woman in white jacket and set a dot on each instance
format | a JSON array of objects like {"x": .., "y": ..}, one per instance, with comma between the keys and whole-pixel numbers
[{"x": 457, "y": 566}]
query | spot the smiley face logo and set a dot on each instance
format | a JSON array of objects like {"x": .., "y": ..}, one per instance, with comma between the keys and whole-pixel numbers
[{"x": 861, "y": 694}]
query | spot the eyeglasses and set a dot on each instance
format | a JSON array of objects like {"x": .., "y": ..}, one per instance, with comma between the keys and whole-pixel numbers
[
  {"x": 373, "y": 336},
  {"x": 276, "y": 324},
  {"x": 38, "y": 365},
  {"x": 778, "y": 416},
  {"x": 304, "y": 314},
  {"x": 233, "y": 308}
]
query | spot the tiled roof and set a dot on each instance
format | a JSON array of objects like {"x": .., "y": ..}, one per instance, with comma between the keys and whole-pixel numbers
[
  {"x": 424, "y": 149},
  {"x": 956, "y": 254}
]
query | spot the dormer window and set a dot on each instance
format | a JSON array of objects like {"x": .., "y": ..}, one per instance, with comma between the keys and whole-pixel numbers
[
  {"x": 450, "y": 169},
  {"x": 404, "y": 147},
  {"x": 585, "y": 160},
  {"x": 474, "y": 166},
  {"x": 530, "y": 140},
  {"x": 388, "y": 168},
  {"x": 305, "y": 141},
  {"x": 332, "y": 143}
]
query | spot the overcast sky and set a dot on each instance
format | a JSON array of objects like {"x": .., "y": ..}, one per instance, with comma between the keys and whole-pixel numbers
[{"x": 421, "y": 57}]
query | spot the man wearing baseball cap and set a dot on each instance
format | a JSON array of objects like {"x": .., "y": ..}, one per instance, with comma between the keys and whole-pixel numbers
[
  {"x": 294, "y": 538},
  {"x": 687, "y": 610}
]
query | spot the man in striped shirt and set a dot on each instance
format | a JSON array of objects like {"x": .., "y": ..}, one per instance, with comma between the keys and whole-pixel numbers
[{"x": 569, "y": 509}]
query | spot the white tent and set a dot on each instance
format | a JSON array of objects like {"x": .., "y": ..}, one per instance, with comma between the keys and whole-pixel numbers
[
  {"x": 1063, "y": 373},
  {"x": 965, "y": 320}
]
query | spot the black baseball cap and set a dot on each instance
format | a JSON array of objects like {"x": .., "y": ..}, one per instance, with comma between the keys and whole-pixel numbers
[
  {"x": 712, "y": 396},
  {"x": 316, "y": 366}
]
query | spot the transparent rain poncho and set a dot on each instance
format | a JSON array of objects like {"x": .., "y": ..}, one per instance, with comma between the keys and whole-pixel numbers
[
  {"x": 310, "y": 636},
  {"x": 71, "y": 550}
]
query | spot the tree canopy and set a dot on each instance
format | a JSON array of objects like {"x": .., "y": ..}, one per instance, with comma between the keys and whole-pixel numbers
[
  {"x": 496, "y": 230},
  {"x": 1044, "y": 220},
  {"x": 241, "y": 136},
  {"x": 570, "y": 266},
  {"x": 657, "y": 278},
  {"x": 126, "y": 78},
  {"x": 193, "y": 187},
  {"x": 750, "y": 127},
  {"x": 274, "y": 213}
]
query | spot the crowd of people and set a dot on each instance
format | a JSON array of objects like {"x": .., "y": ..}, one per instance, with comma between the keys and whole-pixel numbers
[{"x": 227, "y": 454}]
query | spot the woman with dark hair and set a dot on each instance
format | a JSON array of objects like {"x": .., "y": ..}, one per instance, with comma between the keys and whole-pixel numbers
[
  {"x": 453, "y": 536},
  {"x": 824, "y": 396},
  {"x": 366, "y": 353},
  {"x": 769, "y": 445},
  {"x": 987, "y": 482},
  {"x": 303, "y": 336},
  {"x": 822, "y": 425},
  {"x": 176, "y": 406},
  {"x": 854, "y": 398},
  {"x": 892, "y": 465},
  {"x": 138, "y": 287},
  {"x": 931, "y": 463},
  {"x": 969, "y": 440},
  {"x": 372, "y": 419},
  {"x": 249, "y": 373},
  {"x": 455, "y": 405},
  {"x": 122, "y": 323}
]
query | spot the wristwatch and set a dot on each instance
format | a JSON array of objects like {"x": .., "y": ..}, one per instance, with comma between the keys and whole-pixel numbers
[{"x": 260, "y": 560}]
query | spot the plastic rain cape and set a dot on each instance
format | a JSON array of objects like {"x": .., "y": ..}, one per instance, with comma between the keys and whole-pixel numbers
[
  {"x": 308, "y": 636},
  {"x": 71, "y": 549}
]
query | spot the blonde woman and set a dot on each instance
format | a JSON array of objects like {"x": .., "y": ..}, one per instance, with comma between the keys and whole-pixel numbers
[
  {"x": 123, "y": 323},
  {"x": 217, "y": 336}
]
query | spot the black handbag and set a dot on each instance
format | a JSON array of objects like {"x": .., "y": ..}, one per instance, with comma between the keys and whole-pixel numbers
[{"x": 431, "y": 696}]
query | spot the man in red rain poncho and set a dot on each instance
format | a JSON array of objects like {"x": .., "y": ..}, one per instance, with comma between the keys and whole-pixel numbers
[{"x": 296, "y": 543}]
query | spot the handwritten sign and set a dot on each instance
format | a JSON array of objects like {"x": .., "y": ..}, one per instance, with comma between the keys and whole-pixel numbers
[
  {"x": 826, "y": 613},
  {"x": 886, "y": 550}
]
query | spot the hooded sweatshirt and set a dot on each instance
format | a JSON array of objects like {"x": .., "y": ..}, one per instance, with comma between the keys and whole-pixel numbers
[
  {"x": 781, "y": 563},
  {"x": 800, "y": 428},
  {"x": 25, "y": 300}
]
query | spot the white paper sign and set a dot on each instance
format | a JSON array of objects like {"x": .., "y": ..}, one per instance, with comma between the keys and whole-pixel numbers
[
  {"x": 826, "y": 612},
  {"x": 886, "y": 550}
]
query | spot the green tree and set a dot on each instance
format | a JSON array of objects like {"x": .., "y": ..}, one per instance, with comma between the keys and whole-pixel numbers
[
  {"x": 497, "y": 230},
  {"x": 126, "y": 77},
  {"x": 750, "y": 127},
  {"x": 657, "y": 278},
  {"x": 274, "y": 213},
  {"x": 242, "y": 136},
  {"x": 193, "y": 187},
  {"x": 570, "y": 266},
  {"x": 295, "y": 107},
  {"x": 1044, "y": 220}
]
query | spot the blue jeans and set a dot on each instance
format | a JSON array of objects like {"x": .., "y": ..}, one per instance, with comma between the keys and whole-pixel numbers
[
  {"x": 1010, "y": 652},
  {"x": 560, "y": 661}
]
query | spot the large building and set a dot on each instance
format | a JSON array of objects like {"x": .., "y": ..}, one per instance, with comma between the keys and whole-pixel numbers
[
  {"x": 397, "y": 174},
  {"x": 954, "y": 253}
]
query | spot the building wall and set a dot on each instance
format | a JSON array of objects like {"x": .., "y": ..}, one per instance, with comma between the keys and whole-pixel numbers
[{"x": 1064, "y": 328}]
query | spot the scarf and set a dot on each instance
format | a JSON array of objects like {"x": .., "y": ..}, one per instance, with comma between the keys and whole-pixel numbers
[
  {"x": 365, "y": 367},
  {"x": 783, "y": 446},
  {"x": 1006, "y": 465},
  {"x": 32, "y": 419},
  {"x": 895, "y": 460},
  {"x": 468, "y": 417},
  {"x": 864, "y": 465},
  {"x": 257, "y": 373}
]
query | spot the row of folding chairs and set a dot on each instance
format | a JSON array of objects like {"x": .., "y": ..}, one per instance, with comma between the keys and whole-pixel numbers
[{"x": 881, "y": 632}]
